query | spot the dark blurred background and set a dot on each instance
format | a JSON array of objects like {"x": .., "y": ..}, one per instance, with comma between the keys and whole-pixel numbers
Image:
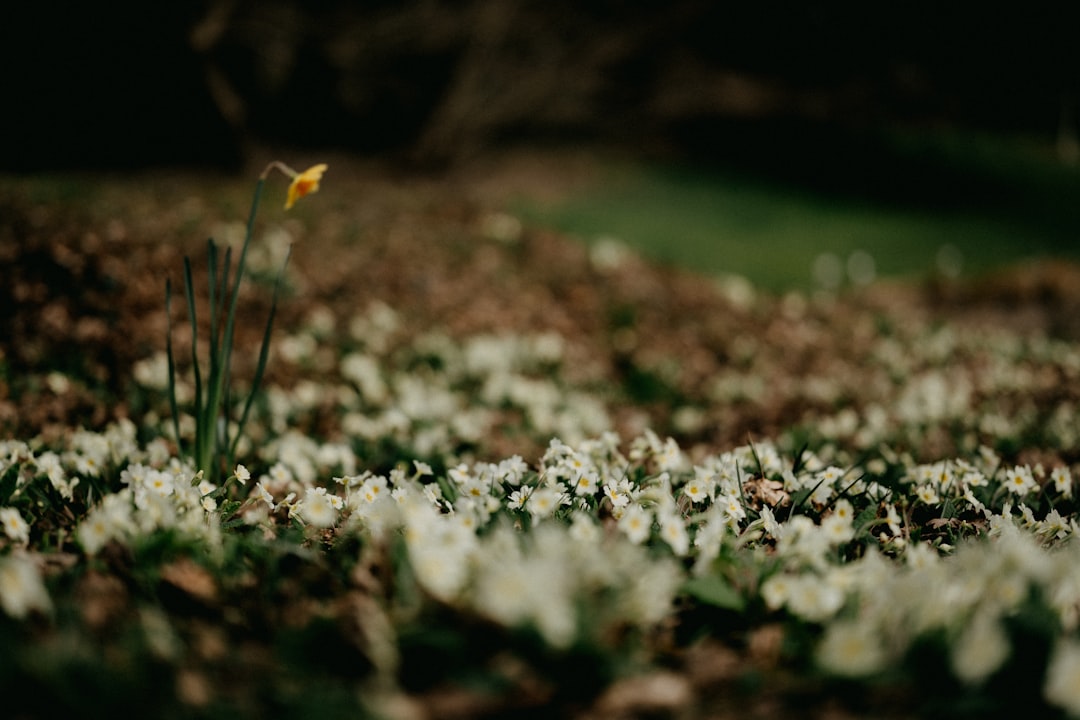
[{"x": 134, "y": 84}]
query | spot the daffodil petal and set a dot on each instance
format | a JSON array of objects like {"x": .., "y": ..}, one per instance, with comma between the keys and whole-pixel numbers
[{"x": 305, "y": 183}]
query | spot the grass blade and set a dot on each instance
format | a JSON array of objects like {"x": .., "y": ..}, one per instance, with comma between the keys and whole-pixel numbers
[
  {"x": 264, "y": 353},
  {"x": 211, "y": 261},
  {"x": 172, "y": 367},
  {"x": 199, "y": 409},
  {"x": 216, "y": 391}
]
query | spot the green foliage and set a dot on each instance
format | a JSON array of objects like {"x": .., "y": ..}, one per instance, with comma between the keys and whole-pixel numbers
[
  {"x": 721, "y": 220},
  {"x": 214, "y": 449},
  {"x": 8, "y": 481},
  {"x": 714, "y": 590}
]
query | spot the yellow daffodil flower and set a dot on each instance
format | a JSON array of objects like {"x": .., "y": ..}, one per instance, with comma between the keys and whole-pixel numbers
[{"x": 303, "y": 183}]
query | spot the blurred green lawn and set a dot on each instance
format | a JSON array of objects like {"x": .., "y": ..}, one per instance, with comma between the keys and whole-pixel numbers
[{"x": 917, "y": 204}]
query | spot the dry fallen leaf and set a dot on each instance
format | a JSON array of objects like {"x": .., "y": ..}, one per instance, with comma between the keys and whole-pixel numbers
[{"x": 191, "y": 578}]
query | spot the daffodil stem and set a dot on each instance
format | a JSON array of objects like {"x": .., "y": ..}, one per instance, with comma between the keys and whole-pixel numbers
[{"x": 214, "y": 442}]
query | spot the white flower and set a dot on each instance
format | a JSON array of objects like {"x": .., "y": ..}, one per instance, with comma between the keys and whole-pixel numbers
[
  {"x": 97, "y": 529},
  {"x": 837, "y": 528},
  {"x": 1062, "y": 686},
  {"x": 373, "y": 488},
  {"x": 851, "y": 649},
  {"x": 459, "y": 474},
  {"x": 892, "y": 518},
  {"x": 974, "y": 478},
  {"x": 544, "y": 501},
  {"x": 242, "y": 474},
  {"x": 441, "y": 569},
  {"x": 636, "y": 522},
  {"x": 14, "y": 526},
  {"x": 652, "y": 588},
  {"x": 21, "y": 588},
  {"x": 1062, "y": 480},
  {"x": 927, "y": 494},
  {"x": 974, "y": 501},
  {"x": 980, "y": 650},
  {"x": 318, "y": 509},
  {"x": 813, "y": 598},
  {"x": 670, "y": 457},
  {"x": 619, "y": 493},
  {"x": 1020, "y": 480},
  {"x": 673, "y": 532},
  {"x": 732, "y": 507},
  {"x": 699, "y": 487},
  {"x": 921, "y": 557},
  {"x": 1053, "y": 526},
  {"x": 776, "y": 590},
  {"x": 159, "y": 482},
  {"x": 844, "y": 510},
  {"x": 264, "y": 495},
  {"x": 770, "y": 524},
  {"x": 504, "y": 591},
  {"x": 583, "y": 530},
  {"x": 516, "y": 585},
  {"x": 517, "y": 498},
  {"x": 804, "y": 540},
  {"x": 822, "y": 493},
  {"x": 586, "y": 483},
  {"x": 512, "y": 470}
]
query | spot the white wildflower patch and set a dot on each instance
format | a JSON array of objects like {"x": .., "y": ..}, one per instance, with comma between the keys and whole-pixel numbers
[
  {"x": 604, "y": 533},
  {"x": 21, "y": 587}
]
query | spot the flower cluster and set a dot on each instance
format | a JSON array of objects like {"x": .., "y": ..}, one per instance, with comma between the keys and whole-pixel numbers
[
  {"x": 152, "y": 500},
  {"x": 603, "y": 534}
]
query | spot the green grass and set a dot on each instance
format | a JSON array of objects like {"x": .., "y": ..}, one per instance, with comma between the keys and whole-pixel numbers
[{"x": 900, "y": 198}]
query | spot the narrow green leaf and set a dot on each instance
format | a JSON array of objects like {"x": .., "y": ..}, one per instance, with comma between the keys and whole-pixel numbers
[
  {"x": 221, "y": 362},
  {"x": 217, "y": 391},
  {"x": 716, "y": 591},
  {"x": 200, "y": 408},
  {"x": 800, "y": 458},
  {"x": 211, "y": 267},
  {"x": 172, "y": 367},
  {"x": 264, "y": 352},
  {"x": 757, "y": 458}
]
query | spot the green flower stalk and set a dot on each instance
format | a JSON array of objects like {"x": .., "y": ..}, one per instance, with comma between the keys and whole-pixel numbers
[{"x": 214, "y": 446}]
